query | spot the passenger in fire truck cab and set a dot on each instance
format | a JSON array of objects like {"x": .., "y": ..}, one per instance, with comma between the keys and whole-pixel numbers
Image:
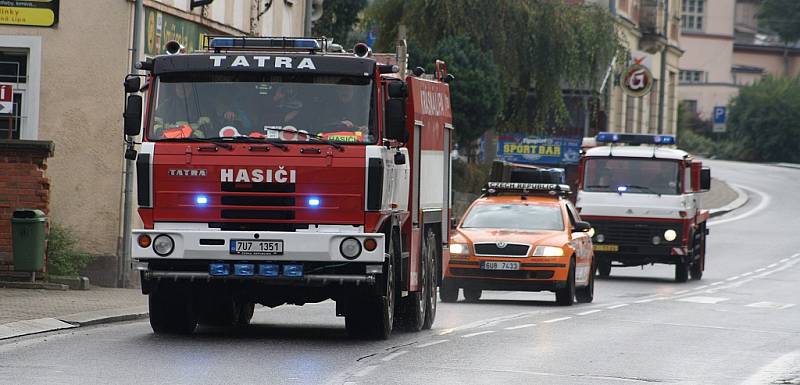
[
  {"x": 228, "y": 113},
  {"x": 177, "y": 114},
  {"x": 283, "y": 108},
  {"x": 342, "y": 110}
]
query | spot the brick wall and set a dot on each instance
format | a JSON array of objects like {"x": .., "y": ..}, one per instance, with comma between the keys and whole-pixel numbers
[{"x": 23, "y": 184}]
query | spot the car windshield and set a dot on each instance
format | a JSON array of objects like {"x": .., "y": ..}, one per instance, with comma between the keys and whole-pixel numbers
[
  {"x": 631, "y": 175},
  {"x": 191, "y": 106},
  {"x": 514, "y": 217}
]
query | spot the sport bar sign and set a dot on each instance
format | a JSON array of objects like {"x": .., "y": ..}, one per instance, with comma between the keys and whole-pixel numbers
[{"x": 36, "y": 13}]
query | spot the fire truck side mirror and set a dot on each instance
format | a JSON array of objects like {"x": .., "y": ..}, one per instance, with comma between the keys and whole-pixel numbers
[
  {"x": 133, "y": 115},
  {"x": 396, "y": 120},
  {"x": 705, "y": 179},
  {"x": 132, "y": 84},
  {"x": 398, "y": 90}
]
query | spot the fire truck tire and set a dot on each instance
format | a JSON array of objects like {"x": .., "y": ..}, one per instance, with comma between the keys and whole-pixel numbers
[
  {"x": 586, "y": 294},
  {"x": 566, "y": 295},
  {"x": 448, "y": 293},
  {"x": 220, "y": 311},
  {"x": 604, "y": 269},
  {"x": 472, "y": 294},
  {"x": 432, "y": 255},
  {"x": 696, "y": 271},
  {"x": 246, "y": 310},
  {"x": 682, "y": 271},
  {"x": 412, "y": 307},
  {"x": 373, "y": 316},
  {"x": 171, "y": 312}
]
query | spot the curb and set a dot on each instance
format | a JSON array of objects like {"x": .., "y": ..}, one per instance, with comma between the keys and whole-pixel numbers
[
  {"x": 44, "y": 325},
  {"x": 788, "y": 165},
  {"x": 738, "y": 202}
]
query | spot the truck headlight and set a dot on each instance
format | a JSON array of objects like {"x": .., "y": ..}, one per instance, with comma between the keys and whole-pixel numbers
[
  {"x": 350, "y": 248},
  {"x": 459, "y": 248},
  {"x": 163, "y": 245},
  {"x": 548, "y": 251},
  {"x": 670, "y": 235}
]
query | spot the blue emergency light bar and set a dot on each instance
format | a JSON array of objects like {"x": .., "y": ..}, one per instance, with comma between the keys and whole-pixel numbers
[
  {"x": 218, "y": 43},
  {"x": 635, "y": 139}
]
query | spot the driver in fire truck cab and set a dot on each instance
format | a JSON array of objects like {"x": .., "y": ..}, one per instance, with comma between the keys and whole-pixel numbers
[
  {"x": 332, "y": 107},
  {"x": 521, "y": 237}
]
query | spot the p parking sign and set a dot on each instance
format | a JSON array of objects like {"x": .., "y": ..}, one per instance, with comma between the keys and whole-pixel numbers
[{"x": 720, "y": 119}]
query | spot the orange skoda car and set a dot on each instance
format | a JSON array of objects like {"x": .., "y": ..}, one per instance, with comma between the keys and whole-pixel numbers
[{"x": 521, "y": 237}]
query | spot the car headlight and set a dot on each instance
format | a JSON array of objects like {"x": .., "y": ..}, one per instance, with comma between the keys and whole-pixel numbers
[
  {"x": 670, "y": 235},
  {"x": 350, "y": 248},
  {"x": 163, "y": 245},
  {"x": 459, "y": 248},
  {"x": 548, "y": 251}
]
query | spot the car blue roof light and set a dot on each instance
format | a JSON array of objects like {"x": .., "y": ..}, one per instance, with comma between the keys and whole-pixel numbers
[
  {"x": 244, "y": 269},
  {"x": 201, "y": 200},
  {"x": 313, "y": 202},
  {"x": 635, "y": 139},
  {"x": 219, "y": 269},
  {"x": 268, "y": 269},
  {"x": 293, "y": 270}
]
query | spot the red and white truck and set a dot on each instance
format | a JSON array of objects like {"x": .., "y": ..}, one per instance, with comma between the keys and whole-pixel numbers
[
  {"x": 275, "y": 171},
  {"x": 641, "y": 196}
]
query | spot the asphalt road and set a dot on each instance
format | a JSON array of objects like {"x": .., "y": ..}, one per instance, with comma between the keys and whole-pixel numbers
[{"x": 740, "y": 324}]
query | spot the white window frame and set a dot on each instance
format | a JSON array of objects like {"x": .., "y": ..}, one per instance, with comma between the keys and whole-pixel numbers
[
  {"x": 693, "y": 15},
  {"x": 29, "y": 121},
  {"x": 692, "y": 76}
]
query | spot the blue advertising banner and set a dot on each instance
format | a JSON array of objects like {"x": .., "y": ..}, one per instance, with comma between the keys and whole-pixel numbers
[{"x": 519, "y": 148}]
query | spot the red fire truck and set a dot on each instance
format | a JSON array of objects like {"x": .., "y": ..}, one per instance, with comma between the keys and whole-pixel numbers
[
  {"x": 276, "y": 171},
  {"x": 641, "y": 197}
]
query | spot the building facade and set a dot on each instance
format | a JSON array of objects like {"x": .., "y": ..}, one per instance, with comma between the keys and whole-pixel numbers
[
  {"x": 67, "y": 89},
  {"x": 725, "y": 49}
]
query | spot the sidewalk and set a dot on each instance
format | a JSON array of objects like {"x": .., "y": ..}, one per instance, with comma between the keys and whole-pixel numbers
[{"x": 25, "y": 311}]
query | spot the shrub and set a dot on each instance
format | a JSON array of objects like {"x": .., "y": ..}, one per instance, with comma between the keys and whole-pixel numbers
[{"x": 63, "y": 255}]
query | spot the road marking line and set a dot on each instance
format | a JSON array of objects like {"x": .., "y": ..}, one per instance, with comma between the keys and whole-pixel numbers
[
  {"x": 746, "y": 274},
  {"x": 437, "y": 342},
  {"x": 394, "y": 355},
  {"x": 645, "y": 300},
  {"x": 705, "y": 300},
  {"x": 590, "y": 312},
  {"x": 617, "y": 306},
  {"x": 701, "y": 287},
  {"x": 717, "y": 283},
  {"x": 520, "y": 326},
  {"x": 784, "y": 260},
  {"x": 681, "y": 292},
  {"x": 556, "y": 320},
  {"x": 765, "y": 305},
  {"x": 772, "y": 265},
  {"x": 787, "y": 306},
  {"x": 365, "y": 371},
  {"x": 735, "y": 277},
  {"x": 477, "y": 334},
  {"x": 761, "y": 269},
  {"x": 446, "y": 331}
]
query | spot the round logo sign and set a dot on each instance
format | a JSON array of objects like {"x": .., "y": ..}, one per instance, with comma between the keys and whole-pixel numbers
[{"x": 638, "y": 81}]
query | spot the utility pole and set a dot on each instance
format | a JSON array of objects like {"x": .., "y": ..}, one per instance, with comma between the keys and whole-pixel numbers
[
  {"x": 309, "y": 8},
  {"x": 663, "y": 77},
  {"x": 124, "y": 262}
]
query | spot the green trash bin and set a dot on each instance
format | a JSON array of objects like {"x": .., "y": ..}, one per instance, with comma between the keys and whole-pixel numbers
[{"x": 28, "y": 239}]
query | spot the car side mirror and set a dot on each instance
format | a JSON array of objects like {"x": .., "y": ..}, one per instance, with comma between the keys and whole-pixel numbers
[
  {"x": 453, "y": 222},
  {"x": 396, "y": 120},
  {"x": 581, "y": 227},
  {"x": 133, "y": 115},
  {"x": 705, "y": 179}
]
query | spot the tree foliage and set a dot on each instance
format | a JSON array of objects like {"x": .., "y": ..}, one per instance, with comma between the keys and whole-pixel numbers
[
  {"x": 763, "y": 119},
  {"x": 781, "y": 17},
  {"x": 338, "y": 19},
  {"x": 539, "y": 46}
]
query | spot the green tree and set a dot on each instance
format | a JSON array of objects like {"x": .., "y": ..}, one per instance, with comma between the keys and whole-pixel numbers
[
  {"x": 783, "y": 18},
  {"x": 763, "y": 120},
  {"x": 338, "y": 19},
  {"x": 540, "y": 46}
]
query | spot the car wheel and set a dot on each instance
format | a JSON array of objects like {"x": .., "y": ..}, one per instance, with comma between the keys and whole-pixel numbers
[
  {"x": 566, "y": 295},
  {"x": 586, "y": 294},
  {"x": 604, "y": 269},
  {"x": 472, "y": 294}
]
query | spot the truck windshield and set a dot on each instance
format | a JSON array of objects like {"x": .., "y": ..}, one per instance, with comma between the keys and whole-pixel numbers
[
  {"x": 514, "y": 217},
  {"x": 191, "y": 106},
  {"x": 631, "y": 175}
]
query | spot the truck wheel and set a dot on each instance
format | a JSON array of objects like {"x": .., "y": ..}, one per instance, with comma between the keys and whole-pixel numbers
[
  {"x": 696, "y": 270},
  {"x": 604, "y": 268},
  {"x": 414, "y": 305},
  {"x": 171, "y": 312},
  {"x": 586, "y": 294},
  {"x": 245, "y": 310},
  {"x": 219, "y": 311},
  {"x": 373, "y": 317},
  {"x": 566, "y": 295},
  {"x": 472, "y": 294},
  {"x": 448, "y": 292},
  {"x": 682, "y": 271},
  {"x": 433, "y": 287}
]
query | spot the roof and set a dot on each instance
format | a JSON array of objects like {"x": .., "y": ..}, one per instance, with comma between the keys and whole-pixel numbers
[
  {"x": 637, "y": 152},
  {"x": 509, "y": 198}
]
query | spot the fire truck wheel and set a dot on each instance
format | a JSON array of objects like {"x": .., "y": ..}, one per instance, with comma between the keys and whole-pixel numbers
[
  {"x": 433, "y": 270},
  {"x": 696, "y": 270},
  {"x": 604, "y": 269},
  {"x": 682, "y": 271},
  {"x": 586, "y": 294},
  {"x": 472, "y": 294},
  {"x": 373, "y": 317},
  {"x": 171, "y": 312},
  {"x": 566, "y": 296},
  {"x": 246, "y": 310},
  {"x": 218, "y": 311},
  {"x": 413, "y": 306},
  {"x": 448, "y": 292}
]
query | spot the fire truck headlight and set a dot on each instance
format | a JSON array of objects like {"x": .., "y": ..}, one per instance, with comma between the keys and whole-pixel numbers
[
  {"x": 656, "y": 240},
  {"x": 600, "y": 238},
  {"x": 163, "y": 245},
  {"x": 350, "y": 248},
  {"x": 670, "y": 235}
]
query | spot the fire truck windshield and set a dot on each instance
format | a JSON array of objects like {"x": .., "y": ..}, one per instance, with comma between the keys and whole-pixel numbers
[
  {"x": 631, "y": 175},
  {"x": 514, "y": 217},
  {"x": 334, "y": 108}
]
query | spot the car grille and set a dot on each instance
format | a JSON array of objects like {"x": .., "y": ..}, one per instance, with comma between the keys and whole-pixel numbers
[
  {"x": 508, "y": 274},
  {"x": 510, "y": 250},
  {"x": 634, "y": 233}
]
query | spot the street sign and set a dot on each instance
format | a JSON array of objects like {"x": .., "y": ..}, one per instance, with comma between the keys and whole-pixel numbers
[
  {"x": 720, "y": 119},
  {"x": 6, "y": 99}
]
